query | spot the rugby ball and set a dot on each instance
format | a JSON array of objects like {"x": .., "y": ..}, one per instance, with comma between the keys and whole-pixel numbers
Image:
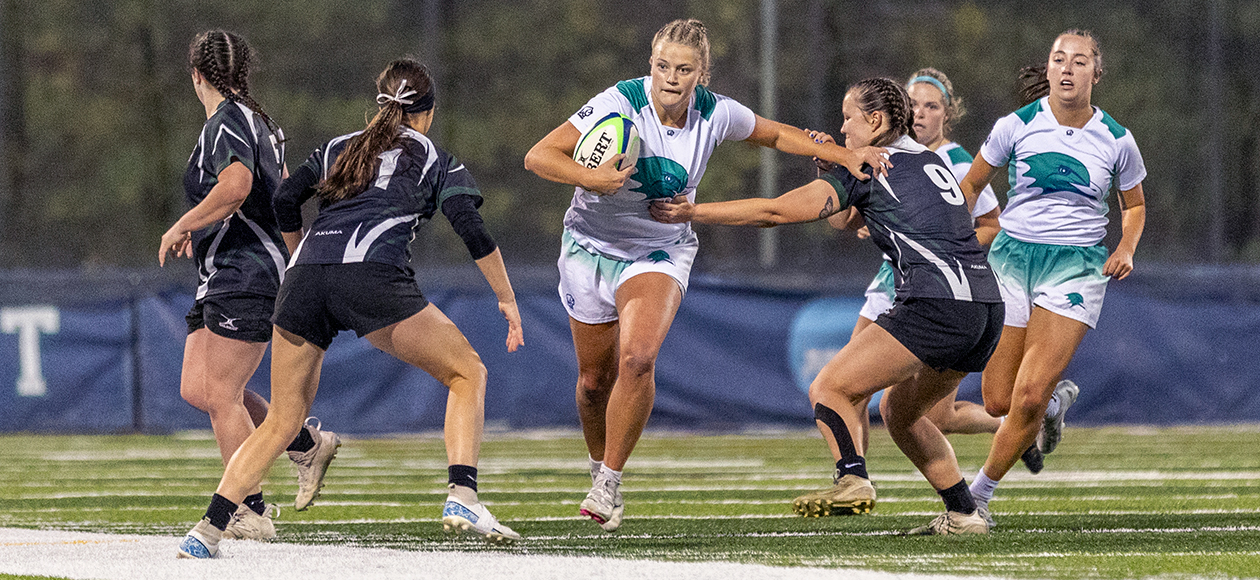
[{"x": 611, "y": 135}]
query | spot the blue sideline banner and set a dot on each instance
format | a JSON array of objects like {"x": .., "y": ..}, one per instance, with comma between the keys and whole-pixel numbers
[{"x": 80, "y": 355}]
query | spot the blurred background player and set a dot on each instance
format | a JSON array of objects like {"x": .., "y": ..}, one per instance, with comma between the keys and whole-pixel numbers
[
  {"x": 1064, "y": 156},
  {"x": 943, "y": 325},
  {"x": 622, "y": 275},
  {"x": 232, "y": 234}
]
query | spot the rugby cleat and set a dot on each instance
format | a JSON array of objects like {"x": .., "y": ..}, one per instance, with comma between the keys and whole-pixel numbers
[
  {"x": 246, "y": 524},
  {"x": 312, "y": 464},
  {"x": 985, "y": 515},
  {"x": 1033, "y": 459},
  {"x": 848, "y": 495},
  {"x": 202, "y": 542},
  {"x": 458, "y": 518},
  {"x": 604, "y": 503},
  {"x": 953, "y": 524},
  {"x": 1052, "y": 429}
]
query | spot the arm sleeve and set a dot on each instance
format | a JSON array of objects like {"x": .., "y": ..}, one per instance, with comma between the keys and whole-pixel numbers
[
  {"x": 846, "y": 186},
  {"x": 999, "y": 145},
  {"x": 1130, "y": 169},
  {"x": 291, "y": 194},
  {"x": 461, "y": 211}
]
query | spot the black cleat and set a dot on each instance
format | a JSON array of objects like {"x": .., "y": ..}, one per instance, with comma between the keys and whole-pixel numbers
[{"x": 1033, "y": 459}]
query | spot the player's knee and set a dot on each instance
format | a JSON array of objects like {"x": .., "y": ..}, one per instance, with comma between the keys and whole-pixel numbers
[
  {"x": 595, "y": 383},
  {"x": 637, "y": 364},
  {"x": 471, "y": 371},
  {"x": 1027, "y": 409},
  {"x": 997, "y": 408}
]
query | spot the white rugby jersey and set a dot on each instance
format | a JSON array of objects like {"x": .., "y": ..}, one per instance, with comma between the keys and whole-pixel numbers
[
  {"x": 959, "y": 162},
  {"x": 1061, "y": 176},
  {"x": 671, "y": 162}
]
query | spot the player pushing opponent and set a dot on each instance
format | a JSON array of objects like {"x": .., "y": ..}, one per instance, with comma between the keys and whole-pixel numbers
[{"x": 623, "y": 275}]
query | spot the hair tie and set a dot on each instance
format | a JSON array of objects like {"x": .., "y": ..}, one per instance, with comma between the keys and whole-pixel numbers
[
  {"x": 406, "y": 99},
  {"x": 400, "y": 96},
  {"x": 934, "y": 82}
]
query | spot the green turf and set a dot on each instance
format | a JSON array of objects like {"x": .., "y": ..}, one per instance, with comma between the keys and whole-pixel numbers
[{"x": 1112, "y": 503}]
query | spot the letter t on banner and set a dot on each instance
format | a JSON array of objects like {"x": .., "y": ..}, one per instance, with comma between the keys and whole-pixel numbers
[{"x": 28, "y": 322}]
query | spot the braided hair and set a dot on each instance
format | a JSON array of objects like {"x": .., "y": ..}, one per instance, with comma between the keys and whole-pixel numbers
[
  {"x": 688, "y": 32},
  {"x": 405, "y": 88},
  {"x": 224, "y": 59},
  {"x": 1033, "y": 83},
  {"x": 888, "y": 97}
]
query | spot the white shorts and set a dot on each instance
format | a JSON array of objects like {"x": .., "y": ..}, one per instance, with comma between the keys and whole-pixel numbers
[
  {"x": 589, "y": 281},
  {"x": 1066, "y": 280},
  {"x": 880, "y": 294}
]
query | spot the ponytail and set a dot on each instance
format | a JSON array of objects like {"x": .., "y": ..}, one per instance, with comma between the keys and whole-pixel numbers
[{"x": 405, "y": 88}]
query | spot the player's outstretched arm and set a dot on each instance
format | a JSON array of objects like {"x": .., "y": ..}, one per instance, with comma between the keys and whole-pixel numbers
[
  {"x": 813, "y": 201},
  {"x": 789, "y": 139},
  {"x": 492, "y": 268},
  {"x": 552, "y": 159}
]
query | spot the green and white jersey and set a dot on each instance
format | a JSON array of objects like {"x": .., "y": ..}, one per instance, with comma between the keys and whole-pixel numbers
[
  {"x": 959, "y": 162},
  {"x": 1061, "y": 176},
  {"x": 671, "y": 162}
]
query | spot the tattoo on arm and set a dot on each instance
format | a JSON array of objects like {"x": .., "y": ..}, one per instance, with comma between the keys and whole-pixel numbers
[{"x": 829, "y": 209}]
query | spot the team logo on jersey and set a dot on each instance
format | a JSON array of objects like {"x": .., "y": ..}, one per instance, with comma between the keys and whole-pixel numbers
[
  {"x": 586, "y": 112},
  {"x": 1075, "y": 299},
  {"x": 660, "y": 256},
  {"x": 1054, "y": 172},
  {"x": 659, "y": 178}
]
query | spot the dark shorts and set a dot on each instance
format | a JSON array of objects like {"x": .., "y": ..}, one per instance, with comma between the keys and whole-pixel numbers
[
  {"x": 319, "y": 300},
  {"x": 240, "y": 316},
  {"x": 944, "y": 333}
]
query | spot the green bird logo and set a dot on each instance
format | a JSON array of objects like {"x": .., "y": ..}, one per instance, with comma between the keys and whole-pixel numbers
[
  {"x": 1075, "y": 299},
  {"x": 660, "y": 256},
  {"x": 1054, "y": 172},
  {"x": 659, "y": 178}
]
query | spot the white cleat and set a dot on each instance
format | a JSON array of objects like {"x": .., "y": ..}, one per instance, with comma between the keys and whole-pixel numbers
[
  {"x": 246, "y": 524},
  {"x": 201, "y": 543},
  {"x": 953, "y": 524},
  {"x": 1052, "y": 429},
  {"x": 458, "y": 518},
  {"x": 604, "y": 504},
  {"x": 312, "y": 464}
]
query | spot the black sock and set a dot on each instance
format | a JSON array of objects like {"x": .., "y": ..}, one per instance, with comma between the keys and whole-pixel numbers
[
  {"x": 220, "y": 511},
  {"x": 303, "y": 442},
  {"x": 852, "y": 466},
  {"x": 464, "y": 475},
  {"x": 255, "y": 502},
  {"x": 958, "y": 498},
  {"x": 850, "y": 462}
]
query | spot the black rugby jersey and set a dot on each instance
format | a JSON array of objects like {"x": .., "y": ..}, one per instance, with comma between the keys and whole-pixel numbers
[
  {"x": 244, "y": 252},
  {"x": 411, "y": 182},
  {"x": 917, "y": 215}
]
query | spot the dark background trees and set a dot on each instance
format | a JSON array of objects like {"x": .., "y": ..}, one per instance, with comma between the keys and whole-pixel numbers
[{"x": 97, "y": 115}]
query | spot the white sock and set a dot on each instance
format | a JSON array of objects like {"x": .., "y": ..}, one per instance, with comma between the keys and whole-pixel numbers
[
  {"x": 982, "y": 488},
  {"x": 1053, "y": 408},
  {"x": 594, "y": 465},
  {"x": 610, "y": 473}
]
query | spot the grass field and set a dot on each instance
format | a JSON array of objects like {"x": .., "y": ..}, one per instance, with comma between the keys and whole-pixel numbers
[{"x": 1111, "y": 503}]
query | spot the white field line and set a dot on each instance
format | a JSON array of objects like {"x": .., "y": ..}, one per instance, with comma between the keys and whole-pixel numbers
[{"x": 108, "y": 556}]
